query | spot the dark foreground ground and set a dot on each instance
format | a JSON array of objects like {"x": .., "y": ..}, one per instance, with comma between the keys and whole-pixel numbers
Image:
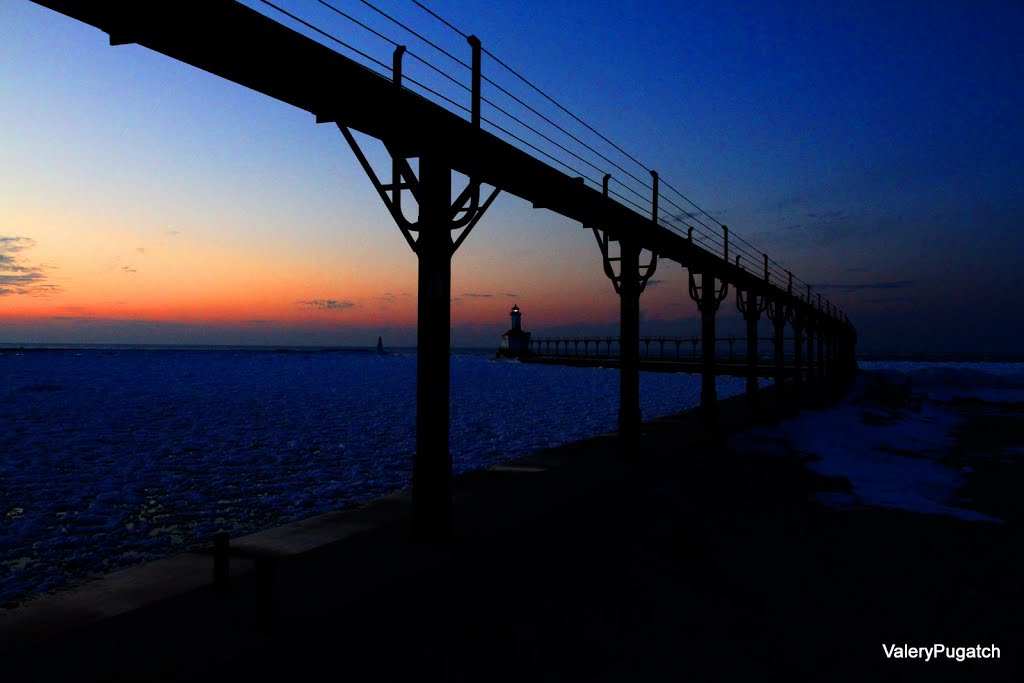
[{"x": 680, "y": 560}]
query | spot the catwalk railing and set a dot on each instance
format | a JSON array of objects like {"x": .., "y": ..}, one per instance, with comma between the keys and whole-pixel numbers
[
  {"x": 729, "y": 348},
  {"x": 440, "y": 67},
  {"x": 779, "y": 358}
]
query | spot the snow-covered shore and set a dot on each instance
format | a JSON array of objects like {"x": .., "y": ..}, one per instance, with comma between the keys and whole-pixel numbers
[{"x": 894, "y": 437}]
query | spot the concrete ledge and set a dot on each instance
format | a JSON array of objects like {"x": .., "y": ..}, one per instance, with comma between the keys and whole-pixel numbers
[{"x": 105, "y": 597}]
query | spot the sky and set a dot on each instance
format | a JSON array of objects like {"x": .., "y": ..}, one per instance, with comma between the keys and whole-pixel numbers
[{"x": 874, "y": 149}]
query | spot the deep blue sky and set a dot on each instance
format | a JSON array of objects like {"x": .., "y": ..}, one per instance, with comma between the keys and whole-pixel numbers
[{"x": 873, "y": 148}]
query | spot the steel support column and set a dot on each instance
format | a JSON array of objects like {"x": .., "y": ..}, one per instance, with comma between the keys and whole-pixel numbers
[
  {"x": 629, "y": 344},
  {"x": 798, "y": 321},
  {"x": 851, "y": 351},
  {"x": 833, "y": 354},
  {"x": 432, "y": 462},
  {"x": 629, "y": 283},
  {"x": 708, "y": 390},
  {"x": 708, "y": 299},
  {"x": 432, "y": 239},
  {"x": 751, "y": 305},
  {"x": 811, "y": 325},
  {"x": 776, "y": 311},
  {"x": 829, "y": 346},
  {"x": 843, "y": 340},
  {"x": 822, "y": 360},
  {"x": 838, "y": 350}
]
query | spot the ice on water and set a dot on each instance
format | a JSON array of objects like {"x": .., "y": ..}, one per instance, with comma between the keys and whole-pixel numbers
[
  {"x": 113, "y": 457},
  {"x": 109, "y": 458},
  {"x": 895, "y": 456}
]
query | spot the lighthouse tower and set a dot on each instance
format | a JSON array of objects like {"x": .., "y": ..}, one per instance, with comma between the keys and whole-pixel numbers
[{"x": 515, "y": 342}]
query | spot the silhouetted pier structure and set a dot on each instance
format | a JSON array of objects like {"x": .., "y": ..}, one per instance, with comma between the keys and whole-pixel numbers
[
  {"x": 426, "y": 144},
  {"x": 660, "y": 348},
  {"x": 666, "y": 354}
]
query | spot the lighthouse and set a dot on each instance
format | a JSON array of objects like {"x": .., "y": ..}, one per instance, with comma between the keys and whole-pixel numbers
[{"x": 515, "y": 342}]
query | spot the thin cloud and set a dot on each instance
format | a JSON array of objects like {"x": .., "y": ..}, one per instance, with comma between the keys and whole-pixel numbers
[
  {"x": 787, "y": 204},
  {"x": 326, "y": 304},
  {"x": 475, "y": 295},
  {"x": 866, "y": 286},
  {"x": 79, "y": 319},
  {"x": 826, "y": 227},
  {"x": 16, "y": 275},
  {"x": 813, "y": 228},
  {"x": 833, "y": 215},
  {"x": 129, "y": 269},
  {"x": 697, "y": 214},
  {"x": 888, "y": 300},
  {"x": 684, "y": 216}
]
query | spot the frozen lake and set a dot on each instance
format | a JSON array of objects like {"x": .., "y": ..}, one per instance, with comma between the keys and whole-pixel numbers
[{"x": 112, "y": 457}]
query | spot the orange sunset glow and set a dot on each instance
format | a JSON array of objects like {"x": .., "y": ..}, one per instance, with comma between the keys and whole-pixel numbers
[{"x": 91, "y": 270}]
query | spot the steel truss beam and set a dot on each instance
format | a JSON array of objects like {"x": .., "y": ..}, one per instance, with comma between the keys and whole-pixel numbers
[
  {"x": 708, "y": 297},
  {"x": 751, "y": 304}
]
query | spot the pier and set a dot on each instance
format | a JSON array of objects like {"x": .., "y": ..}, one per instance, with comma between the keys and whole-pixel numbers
[
  {"x": 665, "y": 354},
  {"x": 429, "y": 145}
]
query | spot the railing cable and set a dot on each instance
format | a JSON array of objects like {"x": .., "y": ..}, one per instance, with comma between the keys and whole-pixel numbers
[
  {"x": 326, "y": 35},
  {"x": 752, "y": 259}
]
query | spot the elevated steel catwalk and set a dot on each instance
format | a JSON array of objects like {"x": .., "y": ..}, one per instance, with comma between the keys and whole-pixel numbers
[{"x": 235, "y": 42}]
